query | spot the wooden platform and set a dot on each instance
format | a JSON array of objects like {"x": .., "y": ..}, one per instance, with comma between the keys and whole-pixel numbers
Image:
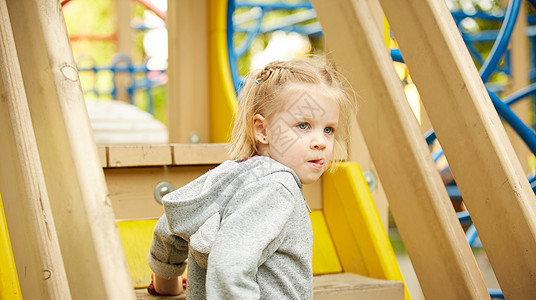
[{"x": 337, "y": 286}]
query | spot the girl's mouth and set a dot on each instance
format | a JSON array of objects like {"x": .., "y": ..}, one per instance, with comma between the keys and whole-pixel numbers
[{"x": 317, "y": 163}]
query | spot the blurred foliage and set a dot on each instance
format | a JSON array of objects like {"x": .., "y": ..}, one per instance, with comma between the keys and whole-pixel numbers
[
  {"x": 97, "y": 18},
  {"x": 261, "y": 41}
]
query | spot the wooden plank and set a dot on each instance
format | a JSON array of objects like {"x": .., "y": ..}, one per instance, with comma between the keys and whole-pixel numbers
[
  {"x": 123, "y": 16},
  {"x": 489, "y": 175},
  {"x": 417, "y": 198},
  {"x": 520, "y": 71},
  {"x": 77, "y": 191},
  {"x": 199, "y": 154},
  {"x": 103, "y": 156},
  {"x": 141, "y": 155},
  {"x": 188, "y": 80},
  {"x": 359, "y": 153},
  {"x": 132, "y": 189},
  {"x": 346, "y": 286},
  {"x": 24, "y": 195}
]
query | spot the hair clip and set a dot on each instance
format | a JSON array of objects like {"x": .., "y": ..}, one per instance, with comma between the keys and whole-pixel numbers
[{"x": 256, "y": 81}]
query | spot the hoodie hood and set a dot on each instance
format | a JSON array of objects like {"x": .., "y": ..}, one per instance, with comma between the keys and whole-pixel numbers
[{"x": 189, "y": 207}]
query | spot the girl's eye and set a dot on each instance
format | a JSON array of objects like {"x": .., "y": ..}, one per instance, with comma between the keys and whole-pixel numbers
[
  {"x": 303, "y": 126},
  {"x": 329, "y": 130}
]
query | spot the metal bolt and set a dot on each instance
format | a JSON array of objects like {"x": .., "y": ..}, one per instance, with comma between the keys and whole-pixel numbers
[
  {"x": 194, "y": 138},
  {"x": 161, "y": 190},
  {"x": 371, "y": 180}
]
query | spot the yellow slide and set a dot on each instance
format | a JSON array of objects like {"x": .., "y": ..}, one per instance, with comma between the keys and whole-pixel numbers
[
  {"x": 362, "y": 244},
  {"x": 9, "y": 282}
]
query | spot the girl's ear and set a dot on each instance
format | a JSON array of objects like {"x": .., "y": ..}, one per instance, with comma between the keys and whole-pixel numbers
[{"x": 259, "y": 126}]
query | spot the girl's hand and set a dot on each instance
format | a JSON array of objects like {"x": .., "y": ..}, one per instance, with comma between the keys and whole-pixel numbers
[{"x": 173, "y": 286}]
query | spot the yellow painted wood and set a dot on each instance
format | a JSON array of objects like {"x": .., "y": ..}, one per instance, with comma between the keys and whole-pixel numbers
[
  {"x": 417, "y": 198},
  {"x": 356, "y": 227},
  {"x": 223, "y": 103},
  {"x": 325, "y": 259},
  {"x": 136, "y": 237},
  {"x": 9, "y": 281},
  {"x": 90, "y": 246},
  {"x": 492, "y": 182}
]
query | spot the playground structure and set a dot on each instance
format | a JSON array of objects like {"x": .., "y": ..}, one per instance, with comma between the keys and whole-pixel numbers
[{"x": 67, "y": 182}]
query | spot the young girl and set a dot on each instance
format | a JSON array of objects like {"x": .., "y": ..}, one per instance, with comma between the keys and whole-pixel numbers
[{"x": 244, "y": 226}]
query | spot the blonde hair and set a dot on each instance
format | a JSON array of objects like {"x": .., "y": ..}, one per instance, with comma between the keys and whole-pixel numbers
[{"x": 260, "y": 95}]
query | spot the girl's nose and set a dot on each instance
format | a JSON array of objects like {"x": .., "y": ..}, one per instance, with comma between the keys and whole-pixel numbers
[{"x": 318, "y": 143}]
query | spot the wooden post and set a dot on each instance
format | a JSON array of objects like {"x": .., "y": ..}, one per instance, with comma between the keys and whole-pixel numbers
[
  {"x": 123, "y": 15},
  {"x": 483, "y": 162},
  {"x": 24, "y": 194},
  {"x": 424, "y": 215},
  {"x": 188, "y": 81},
  {"x": 519, "y": 67},
  {"x": 92, "y": 253}
]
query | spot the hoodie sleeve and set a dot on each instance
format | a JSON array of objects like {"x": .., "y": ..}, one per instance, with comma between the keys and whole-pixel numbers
[
  {"x": 246, "y": 238},
  {"x": 168, "y": 252}
]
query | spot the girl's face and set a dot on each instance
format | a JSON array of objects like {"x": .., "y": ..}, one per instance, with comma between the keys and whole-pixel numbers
[{"x": 301, "y": 135}]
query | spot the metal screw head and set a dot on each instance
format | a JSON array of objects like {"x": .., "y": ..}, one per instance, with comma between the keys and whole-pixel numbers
[
  {"x": 161, "y": 190},
  {"x": 371, "y": 180},
  {"x": 194, "y": 138}
]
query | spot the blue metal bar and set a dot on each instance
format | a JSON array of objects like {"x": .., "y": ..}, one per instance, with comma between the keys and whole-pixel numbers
[
  {"x": 483, "y": 36},
  {"x": 471, "y": 235},
  {"x": 464, "y": 217},
  {"x": 520, "y": 94},
  {"x": 460, "y": 15},
  {"x": 252, "y": 34},
  {"x": 454, "y": 192},
  {"x": 496, "y": 293},
  {"x": 396, "y": 55},
  {"x": 430, "y": 137},
  {"x": 502, "y": 40},
  {"x": 233, "y": 62},
  {"x": 526, "y": 134},
  {"x": 274, "y": 5}
]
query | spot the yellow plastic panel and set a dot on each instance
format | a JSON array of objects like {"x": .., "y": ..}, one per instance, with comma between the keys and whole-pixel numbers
[
  {"x": 325, "y": 258},
  {"x": 136, "y": 237},
  {"x": 357, "y": 231},
  {"x": 9, "y": 282},
  {"x": 223, "y": 102}
]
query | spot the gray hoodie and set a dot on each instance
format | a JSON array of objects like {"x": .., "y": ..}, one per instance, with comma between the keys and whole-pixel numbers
[{"x": 248, "y": 233}]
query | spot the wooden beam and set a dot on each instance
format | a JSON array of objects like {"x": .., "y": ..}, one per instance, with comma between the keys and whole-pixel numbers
[
  {"x": 24, "y": 194},
  {"x": 483, "y": 162},
  {"x": 132, "y": 189},
  {"x": 123, "y": 15},
  {"x": 188, "y": 80},
  {"x": 520, "y": 71},
  {"x": 92, "y": 252},
  {"x": 444, "y": 263}
]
